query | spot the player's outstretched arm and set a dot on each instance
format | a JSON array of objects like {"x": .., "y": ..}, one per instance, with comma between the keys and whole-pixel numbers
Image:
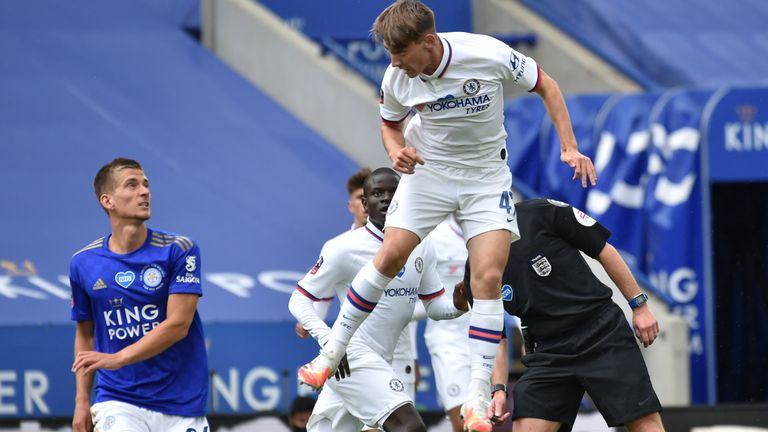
[
  {"x": 303, "y": 309},
  {"x": 550, "y": 93},
  {"x": 644, "y": 322},
  {"x": 181, "y": 312},
  {"x": 81, "y": 419}
]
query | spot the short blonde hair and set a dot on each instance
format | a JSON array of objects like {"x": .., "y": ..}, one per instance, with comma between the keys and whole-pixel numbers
[{"x": 402, "y": 23}]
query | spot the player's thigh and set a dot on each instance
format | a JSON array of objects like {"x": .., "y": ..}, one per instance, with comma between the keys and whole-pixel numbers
[
  {"x": 547, "y": 393},
  {"x": 616, "y": 378},
  {"x": 452, "y": 374},
  {"x": 117, "y": 416},
  {"x": 422, "y": 201},
  {"x": 172, "y": 423},
  {"x": 485, "y": 202},
  {"x": 372, "y": 391},
  {"x": 331, "y": 414}
]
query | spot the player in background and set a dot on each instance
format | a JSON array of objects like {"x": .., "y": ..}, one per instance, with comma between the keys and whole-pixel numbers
[
  {"x": 454, "y": 81},
  {"x": 355, "y": 202},
  {"x": 447, "y": 340},
  {"x": 576, "y": 338},
  {"x": 371, "y": 393},
  {"x": 404, "y": 360},
  {"x": 134, "y": 297}
]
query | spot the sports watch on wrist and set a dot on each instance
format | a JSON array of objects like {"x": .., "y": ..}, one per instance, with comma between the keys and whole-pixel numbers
[
  {"x": 498, "y": 387},
  {"x": 638, "y": 300}
]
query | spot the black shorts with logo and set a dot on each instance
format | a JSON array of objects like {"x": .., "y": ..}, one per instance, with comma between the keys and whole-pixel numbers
[{"x": 601, "y": 358}]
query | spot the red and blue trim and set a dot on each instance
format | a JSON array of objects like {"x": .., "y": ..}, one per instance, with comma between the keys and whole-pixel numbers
[
  {"x": 310, "y": 296},
  {"x": 484, "y": 335},
  {"x": 434, "y": 295},
  {"x": 378, "y": 237},
  {"x": 448, "y": 63},
  {"x": 359, "y": 302}
]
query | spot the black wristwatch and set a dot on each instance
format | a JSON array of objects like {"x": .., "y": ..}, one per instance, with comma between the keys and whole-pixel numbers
[
  {"x": 638, "y": 300},
  {"x": 498, "y": 387}
]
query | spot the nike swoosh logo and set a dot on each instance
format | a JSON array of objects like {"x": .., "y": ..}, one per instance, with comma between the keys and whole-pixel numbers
[
  {"x": 510, "y": 220},
  {"x": 642, "y": 402}
]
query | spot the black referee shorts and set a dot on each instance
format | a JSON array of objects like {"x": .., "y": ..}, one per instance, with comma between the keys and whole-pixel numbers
[{"x": 601, "y": 358}]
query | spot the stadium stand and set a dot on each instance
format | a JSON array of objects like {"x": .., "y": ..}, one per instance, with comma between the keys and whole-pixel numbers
[{"x": 670, "y": 43}]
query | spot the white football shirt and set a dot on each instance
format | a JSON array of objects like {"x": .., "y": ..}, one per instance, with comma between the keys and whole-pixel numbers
[{"x": 461, "y": 104}]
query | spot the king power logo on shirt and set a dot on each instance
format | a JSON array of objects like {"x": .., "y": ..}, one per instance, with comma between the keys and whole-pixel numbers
[{"x": 131, "y": 322}]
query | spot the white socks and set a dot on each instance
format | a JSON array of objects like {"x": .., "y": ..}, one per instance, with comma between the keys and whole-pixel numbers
[
  {"x": 485, "y": 327},
  {"x": 363, "y": 294}
]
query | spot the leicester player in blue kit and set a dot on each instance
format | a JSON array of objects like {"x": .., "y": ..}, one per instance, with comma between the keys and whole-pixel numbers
[{"x": 134, "y": 297}]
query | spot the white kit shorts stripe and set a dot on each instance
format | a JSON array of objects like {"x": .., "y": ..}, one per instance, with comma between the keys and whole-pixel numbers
[{"x": 115, "y": 416}]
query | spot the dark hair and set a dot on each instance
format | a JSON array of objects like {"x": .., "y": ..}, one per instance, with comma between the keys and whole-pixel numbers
[
  {"x": 402, "y": 23},
  {"x": 104, "y": 180},
  {"x": 357, "y": 179},
  {"x": 377, "y": 172},
  {"x": 302, "y": 403}
]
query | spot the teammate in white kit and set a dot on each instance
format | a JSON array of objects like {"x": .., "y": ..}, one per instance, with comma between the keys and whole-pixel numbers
[
  {"x": 371, "y": 394},
  {"x": 454, "y": 81},
  {"x": 447, "y": 340}
]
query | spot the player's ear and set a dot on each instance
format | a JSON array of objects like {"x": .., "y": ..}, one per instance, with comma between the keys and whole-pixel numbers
[
  {"x": 365, "y": 203},
  {"x": 106, "y": 202}
]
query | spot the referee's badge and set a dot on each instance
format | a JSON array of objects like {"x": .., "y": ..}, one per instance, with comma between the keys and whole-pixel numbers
[
  {"x": 541, "y": 265},
  {"x": 506, "y": 293},
  {"x": 396, "y": 385}
]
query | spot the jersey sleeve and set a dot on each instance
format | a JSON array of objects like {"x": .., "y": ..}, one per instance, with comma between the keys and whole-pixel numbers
[
  {"x": 431, "y": 286},
  {"x": 328, "y": 276},
  {"x": 580, "y": 230},
  {"x": 392, "y": 112},
  {"x": 514, "y": 66},
  {"x": 185, "y": 267},
  {"x": 81, "y": 303}
]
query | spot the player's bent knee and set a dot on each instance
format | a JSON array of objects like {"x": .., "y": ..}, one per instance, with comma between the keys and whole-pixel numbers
[
  {"x": 405, "y": 419},
  {"x": 647, "y": 423}
]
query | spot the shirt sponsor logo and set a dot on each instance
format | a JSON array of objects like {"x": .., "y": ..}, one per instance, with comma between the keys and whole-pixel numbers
[
  {"x": 514, "y": 61},
  {"x": 152, "y": 277},
  {"x": 191, "y": 263},
  {"x": 125, "y": 279},
  {"x": 188, "y": 278},
  {"x": 470, "y": 104},
  {"x": 583, "y": 218},
  {"x": 471, "y": 87},
  {"x": 401, "y": 292},
  {"x": 99, "y": 284},
  {"x": 130, "y": 322},
  {"x": 519, "y": 74},
  {"x": 541, "y": 265}
]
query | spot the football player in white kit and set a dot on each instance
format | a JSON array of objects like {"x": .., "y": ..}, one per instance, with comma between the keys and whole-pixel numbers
[
  {"x": 454, "y": 81},
  {"x": 371, "y": 394},
  {"x": 447, "y": 340}
]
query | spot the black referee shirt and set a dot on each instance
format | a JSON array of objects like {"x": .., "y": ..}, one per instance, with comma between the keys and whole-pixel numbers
[{"x": 547, "y": 282}]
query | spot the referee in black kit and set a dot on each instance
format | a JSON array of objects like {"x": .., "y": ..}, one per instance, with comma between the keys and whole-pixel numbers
[{"x": 576, "y": 338}]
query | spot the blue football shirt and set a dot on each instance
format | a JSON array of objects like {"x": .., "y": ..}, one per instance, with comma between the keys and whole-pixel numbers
[{"x": 126, "y": 296}]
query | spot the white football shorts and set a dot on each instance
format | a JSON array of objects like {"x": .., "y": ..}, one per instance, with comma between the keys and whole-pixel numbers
[
  {"x": 115, "y": 416},
  {"x": 367, "y": 397},
  {"x": 481, "y": 198}
]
